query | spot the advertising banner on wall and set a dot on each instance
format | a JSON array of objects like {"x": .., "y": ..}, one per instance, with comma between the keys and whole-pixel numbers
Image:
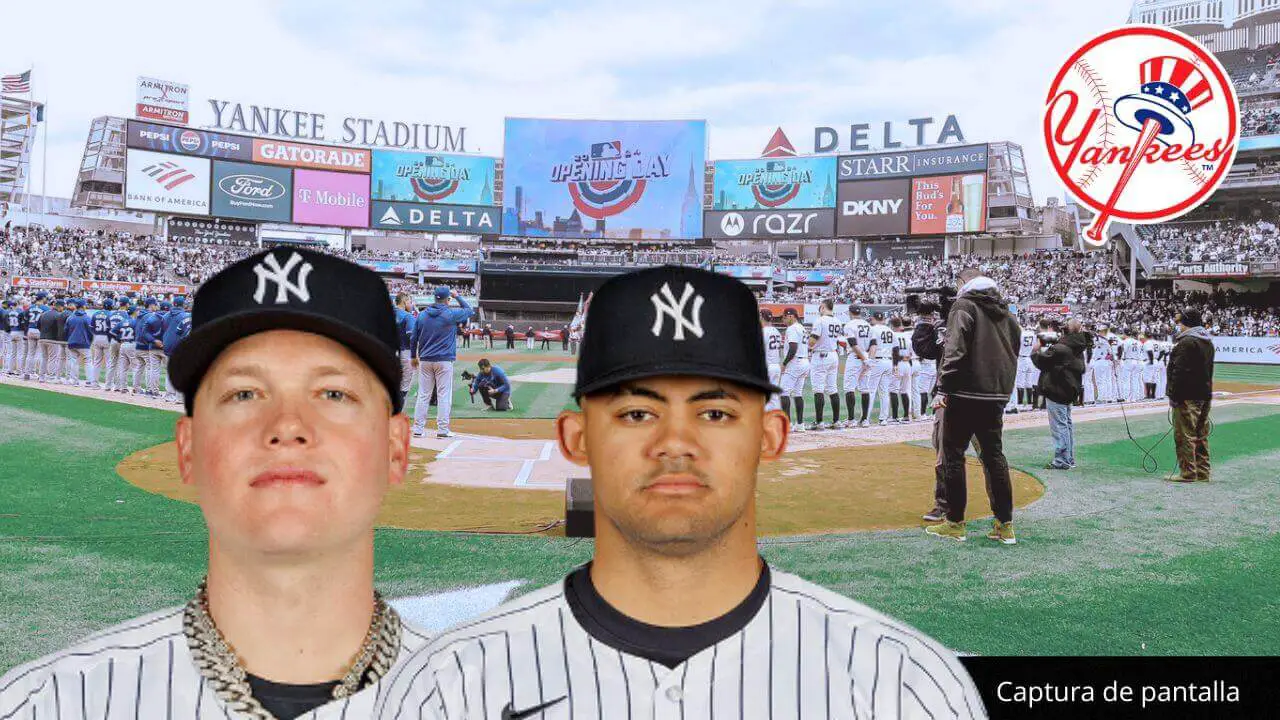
[
  {"x": 40, "y": 283},
  {"x": 937, "y": 161},
  {"x": 771, "y": 183},
  {"x": 252, "y": 192},
  {"x": 387, "y": 267},
  {"x": 597, "y": 178},
  {"x": 212, "y": 232},
  {"x": 777, "y": 224},
  {"x": 873, "y": 207},
  {"x": 1049, "y": 309},
  {"x": 163, "y": 100},
  {"x": 902, "y": 250},
  {"x": 464, "y": 219},
  {"x": 746, "y": 272},
  {"x": 814, "y": 277},
  {"x": 1256, "y": 350},
  {"x": 447, "y": 266},
  {"x": 421, "y": 177},
  {"x": 318, "y": 157},
  {"x": 141, "y": 288},
  {"x": 330, "y": 198},
  {"x": 185, "y": 141},
  {"x": 949, "y": 204},
  {"x": 1214, "y": 269},
  {"x": 166, "y": 183}
]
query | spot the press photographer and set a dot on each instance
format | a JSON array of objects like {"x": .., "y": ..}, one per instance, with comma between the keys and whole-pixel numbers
[{"x": 491, "y": 384}]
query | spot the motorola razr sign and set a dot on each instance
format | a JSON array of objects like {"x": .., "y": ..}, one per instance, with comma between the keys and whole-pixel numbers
[
  {"x": 769, "y": 224},
  {"x": 252, "y": 192},
  {"x": 906, "y": 163}
]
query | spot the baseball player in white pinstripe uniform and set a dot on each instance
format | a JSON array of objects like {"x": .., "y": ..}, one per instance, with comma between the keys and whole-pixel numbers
[
  {"x": 824, "y": 365},
  {"x": 857, "y": 337},
  {"x": 292, "y": 436},
  {"x": 678, "y": 616},
  {"x": 795, "y": 368},
  {"x": 902, "y": 386},
  {"x": 772, "y": 355},
  {"x": 879, "y": 372}
]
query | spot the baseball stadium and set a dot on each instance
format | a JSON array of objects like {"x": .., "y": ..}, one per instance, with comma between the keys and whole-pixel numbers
[{"x": 846, "y": 249}]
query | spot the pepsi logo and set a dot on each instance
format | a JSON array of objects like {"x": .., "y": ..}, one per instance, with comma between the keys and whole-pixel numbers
[
  {"x": 251, "y": 186},
  {"x": 189, "y": 140}
]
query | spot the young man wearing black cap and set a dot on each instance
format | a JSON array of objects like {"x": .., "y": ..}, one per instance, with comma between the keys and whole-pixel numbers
[
  {"x": 292, "y": 435},
  {"x": 678, "y": 616}
]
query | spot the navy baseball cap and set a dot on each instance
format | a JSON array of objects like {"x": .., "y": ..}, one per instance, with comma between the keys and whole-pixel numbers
[
  {"x": 650, "y": 323},
  {"x": 180, "y": 302},
  {"x": 164, "y": 305},
  {"x": 291, "y": 289},
  {"x": 108, "y": 304},
  {"x": 149, "y": 301},
  {"x": 78, "y": 302},
  {"x": 443, "y": 292}
]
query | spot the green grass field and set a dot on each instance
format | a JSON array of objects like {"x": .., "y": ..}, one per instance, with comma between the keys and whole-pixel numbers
[{"x": 1111, "y": 561}]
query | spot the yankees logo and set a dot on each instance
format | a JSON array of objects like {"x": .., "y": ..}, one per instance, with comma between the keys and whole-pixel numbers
[
  {"x": 1141, "y": 125},
  {"x": 667, "y": 305},
  {"x": 280, "y": 276}
]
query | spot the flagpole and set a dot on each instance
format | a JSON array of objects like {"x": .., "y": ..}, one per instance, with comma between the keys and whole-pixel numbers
[{"x": 44, "y": 162}]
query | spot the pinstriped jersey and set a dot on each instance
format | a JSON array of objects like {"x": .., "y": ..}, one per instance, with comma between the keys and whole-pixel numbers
[
  {"x": 806, "y": 653},
  {"x": 142, "y": 670},
  {"x": 772, "y": 345}
]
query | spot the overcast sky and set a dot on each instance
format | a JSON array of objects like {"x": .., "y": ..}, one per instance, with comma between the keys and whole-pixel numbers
[{"x": 746, "y": 66}]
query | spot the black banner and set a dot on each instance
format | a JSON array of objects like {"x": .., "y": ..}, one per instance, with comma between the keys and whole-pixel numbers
[
  {"x": 901, "y": 249},
  {"x": 211, "y": 232},
  {"x": 1035, "y": 688}
]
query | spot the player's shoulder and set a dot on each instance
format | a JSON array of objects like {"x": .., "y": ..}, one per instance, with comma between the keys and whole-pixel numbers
[
  {"x": 132, "y": 641},
  {"x": 847, "y": 614}
]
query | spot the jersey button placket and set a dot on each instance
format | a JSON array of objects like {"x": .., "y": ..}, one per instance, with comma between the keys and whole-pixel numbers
[{"x": 674, "y": 694}]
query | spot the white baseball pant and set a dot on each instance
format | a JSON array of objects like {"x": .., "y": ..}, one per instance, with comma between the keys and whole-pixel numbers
[
  {"x": 1148, "y": 373},
  {"x": 35, "y": 355},
  {"x": 99, "y": 354},
  {"x": 17, "y": 352},
  {"x": 129, "y": 367},
  {"x": 775, "y": 377},
  {"x": 1086, "y": 382},
  {"x": 407, "y": 373},
  {"x": 853, "y": 370},
  {"x": 1105, "y": 379},
  {"x": 50, "y": 360},
  {"x": 1162, "y": 378},
  {"x": 74, "y": 362},
  {"x": 823, "y": 370},
  {"x": 151, "y": 358},
  {"x": 1023, "y": 379},
  {"x": 1131, "y": 380},
  {"x": 8, "y": 350},
  {"x": 113, "y": 360},
  {"x": 793, "y": 377},
  {"x": 878, "y": 378},
  {"x": 438, "y": 375}
]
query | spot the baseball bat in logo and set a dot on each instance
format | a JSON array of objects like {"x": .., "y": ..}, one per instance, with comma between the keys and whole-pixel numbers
[
  {"x": 1156, "y": 150},
  {"x": 169, "y": 175},
  {"x": 609, "y": 179}
]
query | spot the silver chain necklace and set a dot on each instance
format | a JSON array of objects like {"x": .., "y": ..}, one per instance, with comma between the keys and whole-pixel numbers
[{"x": 221, "y": 667}]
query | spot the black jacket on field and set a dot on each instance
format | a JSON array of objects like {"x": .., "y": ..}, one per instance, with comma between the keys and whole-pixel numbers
[
  {"x": 48, "y": 325},
  {"x": 1191, "y": 366},
  {"x": 1062, "y": 368},
  {"x": 980, "y": 353}
]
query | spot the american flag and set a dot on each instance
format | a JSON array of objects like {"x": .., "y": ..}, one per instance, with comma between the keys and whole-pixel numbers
[{"x": 16, "y": 83}]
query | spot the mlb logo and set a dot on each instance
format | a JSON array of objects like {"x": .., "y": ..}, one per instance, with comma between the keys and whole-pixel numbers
[
  {"x": 606, "y": 150},
  {"x": 435, "y": 161},
  {"x": 776, "y": 166}
]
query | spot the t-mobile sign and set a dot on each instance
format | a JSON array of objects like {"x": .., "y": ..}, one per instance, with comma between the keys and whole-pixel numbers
[{"x": 330, "y": 198}]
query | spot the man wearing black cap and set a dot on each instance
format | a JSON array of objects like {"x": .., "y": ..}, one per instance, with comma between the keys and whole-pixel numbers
[
  {"x": 292, "y": 436},
  {"x": 678, "y": 615},
  {"x": 1190, "y": 391}
]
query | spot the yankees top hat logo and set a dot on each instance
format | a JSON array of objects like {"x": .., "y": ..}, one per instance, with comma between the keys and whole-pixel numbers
[{"x": 1141, "y": 125}]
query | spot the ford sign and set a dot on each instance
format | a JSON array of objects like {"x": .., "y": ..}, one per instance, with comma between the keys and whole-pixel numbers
[{"x": 251, "y": 186}]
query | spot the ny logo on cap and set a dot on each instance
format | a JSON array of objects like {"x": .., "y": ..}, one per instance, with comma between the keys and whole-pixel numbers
[
  {"x": 668, "y": 305},
  {"x": 280, "y": 276}
]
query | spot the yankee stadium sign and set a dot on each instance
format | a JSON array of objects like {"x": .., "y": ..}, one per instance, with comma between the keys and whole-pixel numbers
[{"x": 302, "y": 125}]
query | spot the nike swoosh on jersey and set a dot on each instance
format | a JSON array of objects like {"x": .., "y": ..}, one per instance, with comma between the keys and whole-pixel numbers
[{"x": 509, "y": 713}]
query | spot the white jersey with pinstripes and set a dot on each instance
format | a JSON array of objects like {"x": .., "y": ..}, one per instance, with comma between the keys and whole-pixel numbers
[
  {"x": 142, "y": 670},
  {"x": 807, "y": 653}
]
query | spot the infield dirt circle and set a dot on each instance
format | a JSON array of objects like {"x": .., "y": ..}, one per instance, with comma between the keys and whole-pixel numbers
[{"x": 809, "y": 491}]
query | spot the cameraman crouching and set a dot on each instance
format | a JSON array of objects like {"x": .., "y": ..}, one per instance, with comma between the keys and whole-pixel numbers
[
  {"x": 975, "y": 377},
  {"x": 493, "y": 386}
]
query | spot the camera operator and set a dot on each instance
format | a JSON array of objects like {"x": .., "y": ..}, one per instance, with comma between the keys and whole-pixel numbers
[
  {"x": 927, "y": 343},
  {"x": 975, "y": 377},
  {"x": 492, "y": 384}
]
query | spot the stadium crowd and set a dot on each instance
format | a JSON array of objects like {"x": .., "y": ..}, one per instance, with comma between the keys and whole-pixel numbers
[{"x": 1212, "y": 241}]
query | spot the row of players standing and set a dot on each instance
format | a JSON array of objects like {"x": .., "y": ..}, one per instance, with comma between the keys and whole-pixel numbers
[
  {"x": 881, "y": 367},
  {"x": 115, "y": 345}
]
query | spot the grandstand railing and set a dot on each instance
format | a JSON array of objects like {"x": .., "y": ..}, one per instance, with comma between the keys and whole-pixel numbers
[{"x": 1140, "y": 251}]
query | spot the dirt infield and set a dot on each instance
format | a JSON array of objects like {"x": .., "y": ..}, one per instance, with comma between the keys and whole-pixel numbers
[{"x": 810, "y": 492}]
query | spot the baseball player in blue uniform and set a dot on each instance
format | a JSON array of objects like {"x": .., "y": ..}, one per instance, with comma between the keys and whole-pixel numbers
[
  {"x": 35, "y": 355},
  {"x": 15, "y": 328},
  {"x": 405, "y": 322},
  {"x": 177, "y": 325},
  {"x": 99, "y": 351},
  {"x": 150, "y": 344},
  {"x": 435, "y": 347},
  {"x": 80, "y": 336},
  {"x": 129, "y": 367}
]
